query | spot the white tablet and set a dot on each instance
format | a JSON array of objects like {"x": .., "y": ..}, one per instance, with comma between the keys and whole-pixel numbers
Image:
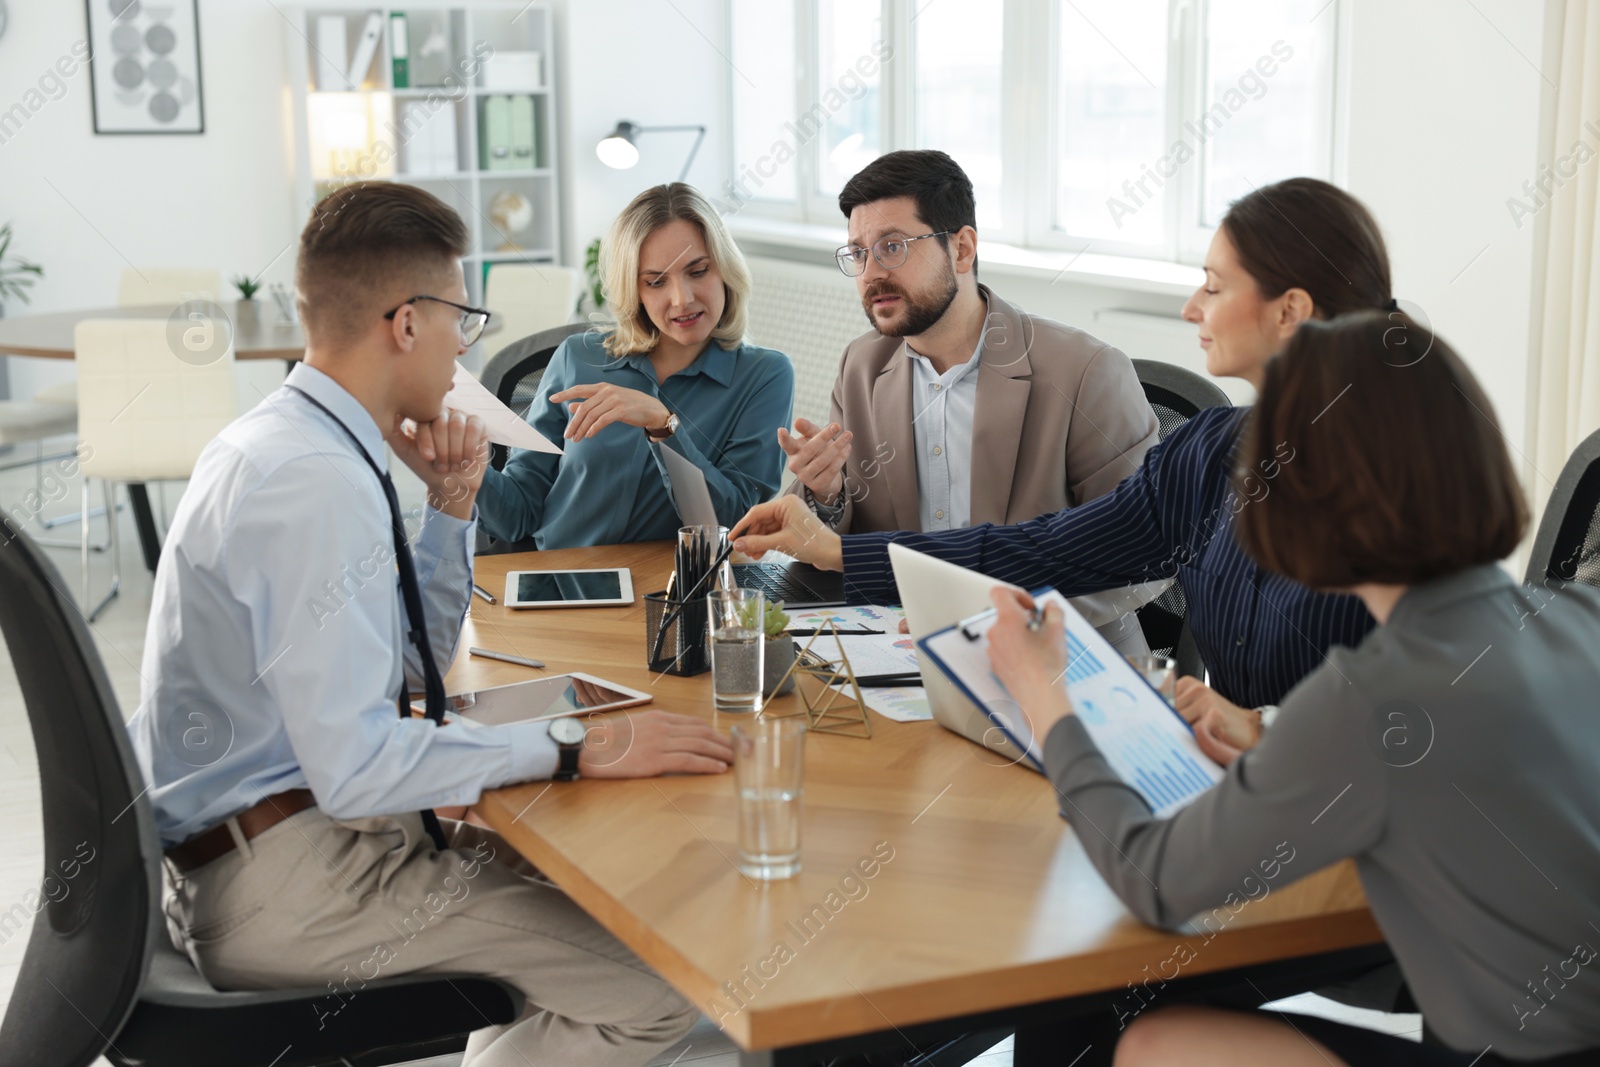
[
  {"x": 539, "y": 698},
  {"x": 611, "y": 587}
]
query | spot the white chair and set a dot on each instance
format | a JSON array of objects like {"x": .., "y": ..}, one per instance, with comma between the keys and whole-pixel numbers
[
  {"x": 162, "y": 285},
  {"x": 144, "y": 413},
  {"x": 529, "y": 298}
]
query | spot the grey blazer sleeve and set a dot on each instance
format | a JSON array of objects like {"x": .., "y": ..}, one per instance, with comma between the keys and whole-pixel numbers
[
  {"x": 837, "y": 517},
  {"x": 1308, "y": 795},
  {"x": 1112, "y": 427}
]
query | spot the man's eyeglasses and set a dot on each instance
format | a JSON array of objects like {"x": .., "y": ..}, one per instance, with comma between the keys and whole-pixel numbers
[
  {"x": 890, "y": 250},
  {"x": 473, "y": 320}
]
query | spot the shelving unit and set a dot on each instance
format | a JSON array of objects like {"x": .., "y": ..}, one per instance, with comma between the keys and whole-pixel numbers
[{"x": 373, "y": 129}]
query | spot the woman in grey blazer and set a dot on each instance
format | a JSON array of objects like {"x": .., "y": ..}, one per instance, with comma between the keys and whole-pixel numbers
[{"x": 1455, "y": 754}]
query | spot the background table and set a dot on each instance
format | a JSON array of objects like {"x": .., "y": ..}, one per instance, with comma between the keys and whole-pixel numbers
[
  {"x": 987, "y": 906},
  {"x": 50, "y": 336}
]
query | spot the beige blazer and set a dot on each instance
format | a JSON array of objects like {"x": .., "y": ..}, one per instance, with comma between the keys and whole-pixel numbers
[{"x": 1060, "y": 419}]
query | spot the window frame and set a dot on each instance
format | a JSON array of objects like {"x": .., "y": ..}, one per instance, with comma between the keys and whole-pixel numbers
[{"x": 1029, "y": 92}]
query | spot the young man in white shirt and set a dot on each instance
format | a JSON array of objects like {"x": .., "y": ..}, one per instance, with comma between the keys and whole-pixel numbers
[{"x": 292, "y": 791}]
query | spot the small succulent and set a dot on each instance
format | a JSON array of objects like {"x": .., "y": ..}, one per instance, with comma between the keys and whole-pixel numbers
[
  {"x": 773, "y": 624},
  {"x": 248, "y": 287}
]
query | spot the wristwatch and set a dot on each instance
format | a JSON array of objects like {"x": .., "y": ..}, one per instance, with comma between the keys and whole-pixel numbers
[
  {"x": 666, "y": 431},
  {"x": 568, "y": 733}
]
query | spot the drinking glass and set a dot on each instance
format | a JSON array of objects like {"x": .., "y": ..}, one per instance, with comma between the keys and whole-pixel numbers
[
  {"x": 1161, "y": 672},
  {"x": 738, "y": 647},
  {"x": 769, "y": 775}
]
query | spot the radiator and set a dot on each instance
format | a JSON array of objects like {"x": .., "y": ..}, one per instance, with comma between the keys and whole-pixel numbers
[{"x": 811, "y": 314}]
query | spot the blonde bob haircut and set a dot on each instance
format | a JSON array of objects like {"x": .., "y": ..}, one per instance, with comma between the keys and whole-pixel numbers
[{"x": 619, "y": 266}]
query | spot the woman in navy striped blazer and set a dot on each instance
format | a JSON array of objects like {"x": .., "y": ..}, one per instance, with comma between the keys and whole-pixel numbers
[{"x": 1288, "y": 252}]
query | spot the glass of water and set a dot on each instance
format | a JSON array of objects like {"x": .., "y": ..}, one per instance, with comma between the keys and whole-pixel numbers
[
  {"x": 1161, "y": 672},
  {"x": 769, "y": 774},
  {"x": 738, "y": 649}
]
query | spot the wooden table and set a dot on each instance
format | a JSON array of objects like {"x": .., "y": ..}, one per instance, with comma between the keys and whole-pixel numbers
[
  {"x": 50, "y": 335},
  {"x": 987, "y": 913}
]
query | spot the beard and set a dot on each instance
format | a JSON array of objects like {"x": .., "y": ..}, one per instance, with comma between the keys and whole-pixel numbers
[{"x": 921, "y": 310}]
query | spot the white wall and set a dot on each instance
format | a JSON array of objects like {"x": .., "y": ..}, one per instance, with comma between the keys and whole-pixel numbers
[
  {"x": 87, "y": 206},
  {"x": 650, "y": 63},
  {"x": 1443, "y": 128},
  {"x": 225, "y": 199}
]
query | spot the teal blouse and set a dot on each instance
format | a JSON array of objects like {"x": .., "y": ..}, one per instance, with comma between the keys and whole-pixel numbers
[{"x": 613, "y": 487}]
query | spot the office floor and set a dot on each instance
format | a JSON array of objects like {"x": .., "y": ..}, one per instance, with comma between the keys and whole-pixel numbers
[{"x": 119, "y": 635}]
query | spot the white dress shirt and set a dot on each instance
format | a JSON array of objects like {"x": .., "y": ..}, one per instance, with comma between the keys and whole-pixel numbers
[
  {"x": 275, "y": 645},
  {"x": 943, "y": 408}
]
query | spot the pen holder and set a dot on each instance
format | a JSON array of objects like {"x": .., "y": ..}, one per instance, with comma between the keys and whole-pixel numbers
[{"x": 682, "y": 648}]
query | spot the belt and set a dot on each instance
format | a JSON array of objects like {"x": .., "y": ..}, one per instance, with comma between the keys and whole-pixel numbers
[{"x": 253, "y": 822}]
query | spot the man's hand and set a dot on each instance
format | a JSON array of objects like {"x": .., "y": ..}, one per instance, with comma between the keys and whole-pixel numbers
[
  {"x": 449, "y": 454},
  {"x": 817, "y": 457},
  {"x": 597, "y": 406},
  {"x": 648, "y": 743},
  {"x": 1030, "y": 663},
  {"x": 1223, "y": 729},
  {"x": 786, "y": 525}
]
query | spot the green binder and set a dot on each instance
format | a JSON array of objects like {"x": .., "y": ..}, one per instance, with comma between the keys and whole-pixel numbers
[
  {"x": 523, "y": 153},
  {"x": 495, "y": 143}
]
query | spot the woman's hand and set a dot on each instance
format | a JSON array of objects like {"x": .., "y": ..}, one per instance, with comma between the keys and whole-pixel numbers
[
  {"x": 601, "y": 405},
  {"x": 1223, "y": 729},
  {"x": 1030, "y": 663},
  {"x": 786, "y": 525},
  {"x": 817, "y": 457}
]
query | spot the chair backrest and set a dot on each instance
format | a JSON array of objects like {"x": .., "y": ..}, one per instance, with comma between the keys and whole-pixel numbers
[
  {"x": 1567, "y": 547},
  {"x": 530, "y": 297},
  {"x": 513, "y": 373},
  {"x": 94, "y": 926},
  {"x": 1176, "y": 395},
  {"x": 148, "y": 403},
  {"x": 163, "y": 285}
]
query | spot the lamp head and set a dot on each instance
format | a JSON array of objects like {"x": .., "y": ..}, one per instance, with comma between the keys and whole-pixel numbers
[{"x": 619, "y": 149}]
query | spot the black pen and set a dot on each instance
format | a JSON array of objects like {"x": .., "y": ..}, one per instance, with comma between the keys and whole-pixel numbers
[
  {"x": 888, "y": 679},
  {"x": 842, "y": 633}
]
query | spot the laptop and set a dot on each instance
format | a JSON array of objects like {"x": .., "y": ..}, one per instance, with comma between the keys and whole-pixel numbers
[
  {"x": 936, "y": 595},
  {"x": 798, "y": 585}
]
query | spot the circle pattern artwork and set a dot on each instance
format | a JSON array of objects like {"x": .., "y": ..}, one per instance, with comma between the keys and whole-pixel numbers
[
  {"x": 160, "y": 39},
  {"x": 162, "y": 74},
  {"x": 125, "y": 40},
  {"x": 163, "y": 107},
  {"x": 128, "y": 73}
]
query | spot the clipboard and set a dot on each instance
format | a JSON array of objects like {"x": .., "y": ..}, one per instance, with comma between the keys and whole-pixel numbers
[{"x": 1142, "y": 737}]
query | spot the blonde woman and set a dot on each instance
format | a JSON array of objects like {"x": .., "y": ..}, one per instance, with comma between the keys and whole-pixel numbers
[{"x": 674, "y": 372}]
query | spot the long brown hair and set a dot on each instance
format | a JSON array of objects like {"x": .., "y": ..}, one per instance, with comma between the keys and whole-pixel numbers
[
  {"x": 1397, "y": 470},
  {"x": 1302, "y": 233}
]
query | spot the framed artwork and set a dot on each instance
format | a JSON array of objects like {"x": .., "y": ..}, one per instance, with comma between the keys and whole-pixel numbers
[{"x": 145, "y": 70}]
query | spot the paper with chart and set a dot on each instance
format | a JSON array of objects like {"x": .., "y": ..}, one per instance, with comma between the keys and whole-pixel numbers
[
  {"x": 505, "y": 427},
  {"x": 902, "y": 703},
  {"x": 1142, "y": 738}
]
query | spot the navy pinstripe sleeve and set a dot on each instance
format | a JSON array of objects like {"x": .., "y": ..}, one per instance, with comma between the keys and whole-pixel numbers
[{"x": 1139, "y": 531}]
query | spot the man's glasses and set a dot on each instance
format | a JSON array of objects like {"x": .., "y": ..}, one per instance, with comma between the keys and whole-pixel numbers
[
  {"x": 473, "y": 320},
  {"x": 890, "y": 251}
]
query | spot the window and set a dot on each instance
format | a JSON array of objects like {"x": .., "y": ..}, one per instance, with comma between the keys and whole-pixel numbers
[
  {"x": 1114, "y": 126},
  {"x": 764, "y": 44}
]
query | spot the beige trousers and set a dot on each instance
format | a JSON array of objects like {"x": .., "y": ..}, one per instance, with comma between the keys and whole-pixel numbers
[{"x": 328, "y": 904}]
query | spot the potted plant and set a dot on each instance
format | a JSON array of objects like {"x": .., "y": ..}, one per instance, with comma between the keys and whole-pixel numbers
[
  {"x": 594, "y": 295},
  {"x": 17, "y": 275},
  {"x": 244, "y": 309},
  {"x": 778, "y": 648}
]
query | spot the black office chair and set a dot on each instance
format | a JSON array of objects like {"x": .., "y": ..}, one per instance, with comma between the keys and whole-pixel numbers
[
  {"x": 1176, "y": 396},
  {"x": 1567, "y": 548},
  {"x": 100, "y": 976},
  {"x": 513, "y": 374}
]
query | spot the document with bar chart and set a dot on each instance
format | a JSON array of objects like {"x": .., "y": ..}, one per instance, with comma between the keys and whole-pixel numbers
[{"x": 1143, "y": 739}]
